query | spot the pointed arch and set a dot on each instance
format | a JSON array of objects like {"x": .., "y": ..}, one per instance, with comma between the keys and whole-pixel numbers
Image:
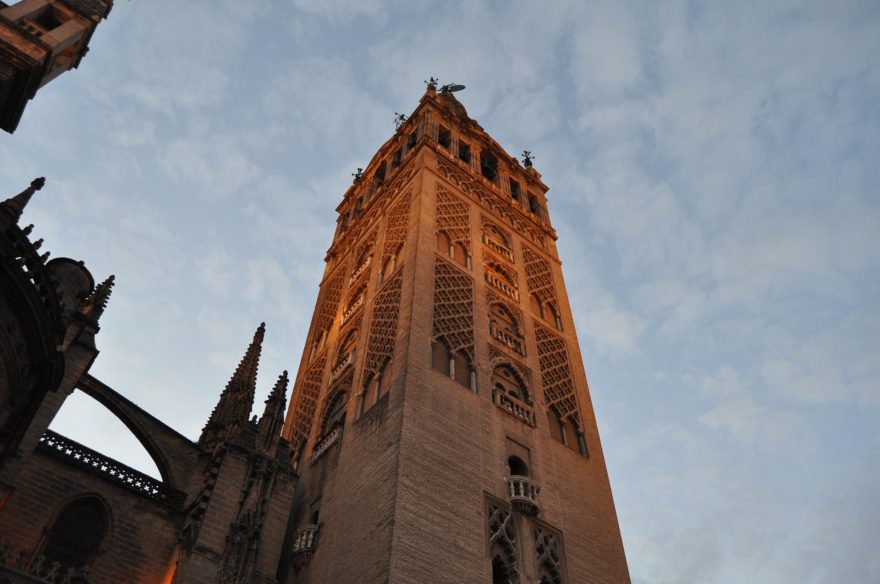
[{"x": 78, "y": 533}]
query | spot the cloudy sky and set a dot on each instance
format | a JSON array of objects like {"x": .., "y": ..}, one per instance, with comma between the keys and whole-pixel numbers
[{"x": 714, "y": 172}]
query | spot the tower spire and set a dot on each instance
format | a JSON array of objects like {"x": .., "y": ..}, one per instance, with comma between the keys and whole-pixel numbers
[
  {"x": 14, "y": 206},
  {"x": 232, "y": 411},
  {"x": 269, "y": 426}
]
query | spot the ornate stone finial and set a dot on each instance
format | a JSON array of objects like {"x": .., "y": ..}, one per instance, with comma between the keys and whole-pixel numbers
[
  {"x": 96, "y": 302},
  {"x": 527, "y": 158},
  {"x": 399, "y": 120},
  {"x": 15, "y": 205},
  {"x": 432, "y": 83},
  {"x": 357, "y": 175}
]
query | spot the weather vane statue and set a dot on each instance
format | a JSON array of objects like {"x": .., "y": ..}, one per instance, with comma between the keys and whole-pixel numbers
[
  {"x": 527, "y": 158},
  {"x": 399, "y": 120},
  {"x": 357, "y": 175}
]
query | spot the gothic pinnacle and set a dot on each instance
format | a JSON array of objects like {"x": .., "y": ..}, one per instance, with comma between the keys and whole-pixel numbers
[
  {"x": 234, "y": 408},
  {"x": 96, "y": 302},
  {"x": 15, "y": 205},
  {"x": 269, "y": 426}
]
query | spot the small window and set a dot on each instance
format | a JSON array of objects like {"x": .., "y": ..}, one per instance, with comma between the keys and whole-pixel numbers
[
  {"x": 379, "y": 176},
  {"x": 515, "y": 193},
  {"x": 444, "y": 137},
  {"x": 489, "y": 166},
  {"x": 464, "y": 152},
  {"x": 517, "y": 467},
  {"x": 395, "y": 160},
  {"x": 411, "y": 142}
]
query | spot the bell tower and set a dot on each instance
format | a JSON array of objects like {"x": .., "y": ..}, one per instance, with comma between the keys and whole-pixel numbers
[
  {"x": 441, "y": 421},
  {"x": 40, "y": 40}
]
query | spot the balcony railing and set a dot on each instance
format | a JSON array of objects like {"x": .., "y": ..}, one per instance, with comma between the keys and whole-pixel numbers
[
  {"x": 304, "y": 542},
  {"x": 523, "y": 492},
  {"x": 353, "y": 308},
  {"x": 516, "y": 408},
  {"x": 342, "y": 365},
  {"x": 324, "y": 444},
  {"x": 360, "y": 269},
  {"x": 500, "y": 285},
  {"x": 498, "y": 247},
  {"x": 110, "y": 469},
  {"x": 515, "y": 343}
]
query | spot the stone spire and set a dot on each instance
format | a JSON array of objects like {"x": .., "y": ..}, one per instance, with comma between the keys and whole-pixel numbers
[
  {"x": 14, "y": 206},
  {"x": 96, "y": 302},
  {"x": 232, "y": 411},
  {"x": 269, "y": 426}
]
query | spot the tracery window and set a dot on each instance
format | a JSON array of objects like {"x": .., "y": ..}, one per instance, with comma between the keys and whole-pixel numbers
[
  {"x": 334, "y": 412},
  {"x": 504, "y": 326},
  {"x": 76, "y": 536}
]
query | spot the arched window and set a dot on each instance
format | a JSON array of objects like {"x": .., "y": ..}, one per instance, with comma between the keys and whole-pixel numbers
[
  {"x": 536, "y": 305},
  {"x": 462, "y": 370},
  {"x": 460, "y": 255},
  {"x": 444, "y": 245},
  {"x": 334, "y": 412},
  {"x": 534, "y": 205},
  {"x": 553, "y": 315},
  {"x": 510, "y": 382},
  {"x": 76, "y": 536},
  {"x": 441, "y": 357},
  {"x": 517, "y": 467}
]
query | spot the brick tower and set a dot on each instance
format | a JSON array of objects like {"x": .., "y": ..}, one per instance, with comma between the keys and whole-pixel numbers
[
  {"x": 441, "y": 420},
  {"x": 40, "y": 40}
]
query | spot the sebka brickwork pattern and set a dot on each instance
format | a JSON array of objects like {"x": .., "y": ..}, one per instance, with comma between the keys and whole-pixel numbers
[
  {"x": 453, "y": 308},
  {"x": 559, "y": 390}
]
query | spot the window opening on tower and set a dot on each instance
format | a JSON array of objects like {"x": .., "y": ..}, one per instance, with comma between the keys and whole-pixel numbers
[
  {"x": 464, "y": 152},
  {"x": 489, "y": 166},
  {"x": 444, "y": 138}
]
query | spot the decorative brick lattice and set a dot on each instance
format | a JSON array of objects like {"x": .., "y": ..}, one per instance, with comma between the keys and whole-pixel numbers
[
  {"x": 549, "y": 558},
  {"x": 503, "y": 534},
  {"x": 559, "y": 391},
  {"x": 383, "y": 328},
  {"x": 500, "y": 206},
  {"x": 395, "y": 230},
  {"x": 453, "y": 218},
  {"x": 360, "y": 259},
  {"x": 306, "y": 401},
  {"x": 539, "y": 277},
  {"x": 331, "y": 292},
  {"x": 454, "y": 308}
]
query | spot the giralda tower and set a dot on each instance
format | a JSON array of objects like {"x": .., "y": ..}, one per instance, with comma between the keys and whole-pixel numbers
[{"x": 441, "y": 422}]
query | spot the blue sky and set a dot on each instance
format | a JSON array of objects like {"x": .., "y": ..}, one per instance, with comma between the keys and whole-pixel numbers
[{"x": 714, "y": 183}]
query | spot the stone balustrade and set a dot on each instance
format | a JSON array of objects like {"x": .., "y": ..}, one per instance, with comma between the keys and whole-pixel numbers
[
  {"x": 523, "y": 493},
  {"x": 304, "y": 542},
  {"x": 324, "y": 444},
  {"x": 360, "y": 269},
  {"x": 501, "y": 286},
  {"x": 515, "y": 343},
  {"x": 353, "y": 308},
  {"x": 342, "y": 365},
  {"x": 498, "y": 247},
  {"x": 516, "y": 408}
]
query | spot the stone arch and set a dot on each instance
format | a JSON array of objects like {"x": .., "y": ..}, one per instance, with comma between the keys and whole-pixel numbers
[
  {"x": 161, "y": 442},
  {"x": 507, "y": 373}
]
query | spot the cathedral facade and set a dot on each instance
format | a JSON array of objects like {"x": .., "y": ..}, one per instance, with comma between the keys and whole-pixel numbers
[{"x": 440, "y": 427}]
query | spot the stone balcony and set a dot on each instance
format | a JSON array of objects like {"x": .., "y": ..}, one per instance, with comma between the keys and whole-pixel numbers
[
  {"x": 325, "y": 442},
  {"x": 354, "y": 307},
  {"x": 501, "y": 286},
  {"x": 523, "y": 494},
  {"x": 360, "y": 269},
  {"x": 342, "y": 365},
  {"x": 516, "y": 408},
  {"x": 513, "y": 342},
  {"x": 304, "y": 542},
  {"x": 498, "y": 247}
]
